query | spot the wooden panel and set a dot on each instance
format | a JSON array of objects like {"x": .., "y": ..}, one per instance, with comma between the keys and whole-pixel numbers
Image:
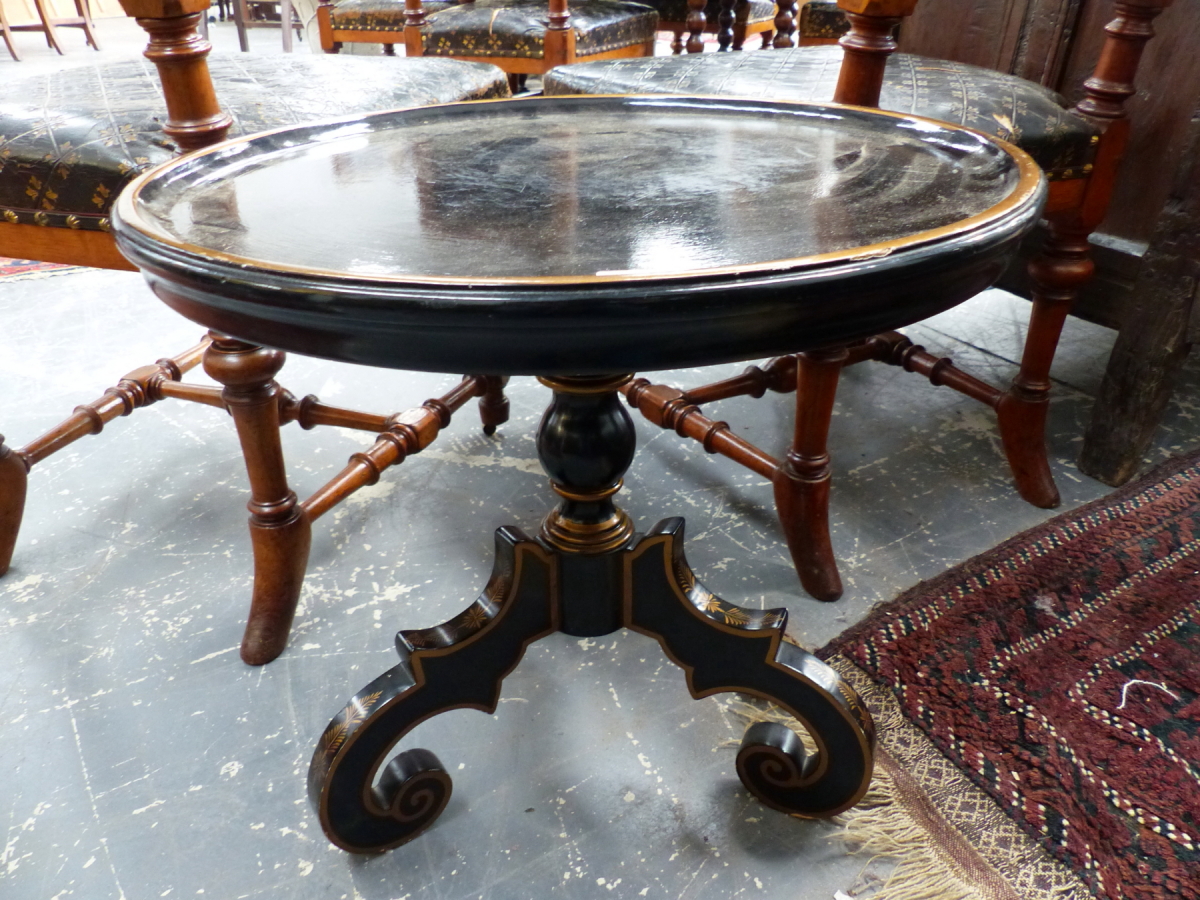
[
  {"x": 980, "y": 32},
  {"x": 1025, "y": 37},
  {"x": 61, "y": 245}
]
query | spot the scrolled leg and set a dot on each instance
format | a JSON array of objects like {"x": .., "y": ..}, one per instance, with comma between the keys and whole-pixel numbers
[
  {"x": 723, "y": 648},
  {"x": 459, "y": 664}
]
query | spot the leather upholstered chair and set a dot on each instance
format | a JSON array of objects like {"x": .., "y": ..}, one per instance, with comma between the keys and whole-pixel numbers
[
  {"x": 522, "y": 37},
  {"x": 816, "y": 22},
  {"x": 732, "y": 22},
  {"x": 1079, "y": 148},
  {"x": 68, "y": 153}
]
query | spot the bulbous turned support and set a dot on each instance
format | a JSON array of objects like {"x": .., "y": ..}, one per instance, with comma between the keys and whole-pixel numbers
[
  {"x": 785, "y": 24},
  {"x": 867, "y": 46},
  {"x": 695, "y": 22},
  {"x": 1111, "y": 83},
  {"x": 194, "y": 118},
  {"x": 802, "y": 479},
  {"x": 585, "y": 442},
  {"x": 1058, "y": 272},
  {"x": 726, "y": 19},
  {"x": 280, "y": 531}
]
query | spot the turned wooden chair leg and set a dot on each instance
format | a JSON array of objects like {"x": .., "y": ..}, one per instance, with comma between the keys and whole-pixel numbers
[
  {"x": 48, "y": 27},
  {"x": 1058, "y": 272},
  {"x": 280, "y": 531},
  {"x": 802, "y": 480},
  {"x": 14, "y": 476},
  {"x": 493, "y": 404}
]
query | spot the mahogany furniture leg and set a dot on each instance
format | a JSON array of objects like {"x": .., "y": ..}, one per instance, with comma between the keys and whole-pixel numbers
[
  {"x": 1059, "y": 271},
  {"x": 802, "y": 481},
  {"x": 48, "y": 27},
  {"x": 85, "y": 22},
  {"x": 586, "y": 574},
  {"x": 14, "y": 477},
  {"x": 280, "y": 531},
  {"x": 1065, "y": 264},
  {"x": 493, "y": 404},
  {"x": 559, "y": 47},
  {"x": 7, "y": 33},
  {"x": 867, "y": 45}
]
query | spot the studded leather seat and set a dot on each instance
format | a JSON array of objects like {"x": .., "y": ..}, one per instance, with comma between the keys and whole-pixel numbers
[
  {"x": 822, "y": 20},
  {"x": 70, "y": 140},
  {"x": 1033, "y": 117},
  {"x": 377, "y": 15}
]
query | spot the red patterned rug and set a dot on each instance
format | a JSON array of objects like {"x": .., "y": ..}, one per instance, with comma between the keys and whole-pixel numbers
[
  {"x": 1060, "y": 673},
  {"x": 18, "y": 269}
]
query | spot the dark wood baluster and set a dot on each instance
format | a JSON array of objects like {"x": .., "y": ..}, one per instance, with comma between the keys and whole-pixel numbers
[
  {"x": 1065, "y": 264},
  {"x": 725, "y": 22},
  {"x": 868, "y": 44},
  {"x": 785, "y": 24},
  {"x": 696, "y": 20}
]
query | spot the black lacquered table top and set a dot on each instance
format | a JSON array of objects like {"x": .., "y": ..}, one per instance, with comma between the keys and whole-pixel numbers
[{"x": 597, "y": 214}]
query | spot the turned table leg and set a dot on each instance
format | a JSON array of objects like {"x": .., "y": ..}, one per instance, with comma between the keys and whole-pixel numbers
[{"x": 586, "y": 573}]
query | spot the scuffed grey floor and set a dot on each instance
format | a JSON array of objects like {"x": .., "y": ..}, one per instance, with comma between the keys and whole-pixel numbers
[{"x": 142, "y": 759}]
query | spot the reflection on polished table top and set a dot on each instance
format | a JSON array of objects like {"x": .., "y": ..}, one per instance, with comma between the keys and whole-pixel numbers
[
  {"x": 698, "y": 230},
  {"x": 575, "y": 238}
]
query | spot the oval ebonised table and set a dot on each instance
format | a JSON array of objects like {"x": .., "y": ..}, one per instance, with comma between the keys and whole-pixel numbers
[{"x": 580, "y": 239}]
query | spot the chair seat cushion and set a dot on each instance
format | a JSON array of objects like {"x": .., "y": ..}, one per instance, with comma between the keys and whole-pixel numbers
[
  {"x": 515, "y": 29},
  {"x": 71, "y": 140},
  {"x": 376, "y": 15},
  {"x": 1027, "y": 114},
  {"x": 822, "y": 20},
  {"x": 676, "y": 11}
]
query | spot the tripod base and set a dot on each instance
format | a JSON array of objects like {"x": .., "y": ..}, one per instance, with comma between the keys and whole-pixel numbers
[{"x": 645, "y": 585}]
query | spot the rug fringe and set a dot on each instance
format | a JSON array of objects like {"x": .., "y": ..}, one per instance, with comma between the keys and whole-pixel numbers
[{"x": 881, "y": 826}]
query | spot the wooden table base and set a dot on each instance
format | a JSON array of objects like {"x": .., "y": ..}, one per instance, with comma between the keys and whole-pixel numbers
[{"x": 586, "y": 574}]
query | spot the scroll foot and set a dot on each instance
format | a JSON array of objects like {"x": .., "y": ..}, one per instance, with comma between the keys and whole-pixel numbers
[
  {"x": 725, "y": 648},
  {"x": 459, "y": 664}
]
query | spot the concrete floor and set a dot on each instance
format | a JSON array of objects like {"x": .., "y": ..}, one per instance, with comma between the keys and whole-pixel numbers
[{"x": 143, "y": 760}]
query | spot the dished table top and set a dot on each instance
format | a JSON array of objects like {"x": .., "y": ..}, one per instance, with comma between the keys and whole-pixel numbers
[{"x": 579, "y": 234}]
